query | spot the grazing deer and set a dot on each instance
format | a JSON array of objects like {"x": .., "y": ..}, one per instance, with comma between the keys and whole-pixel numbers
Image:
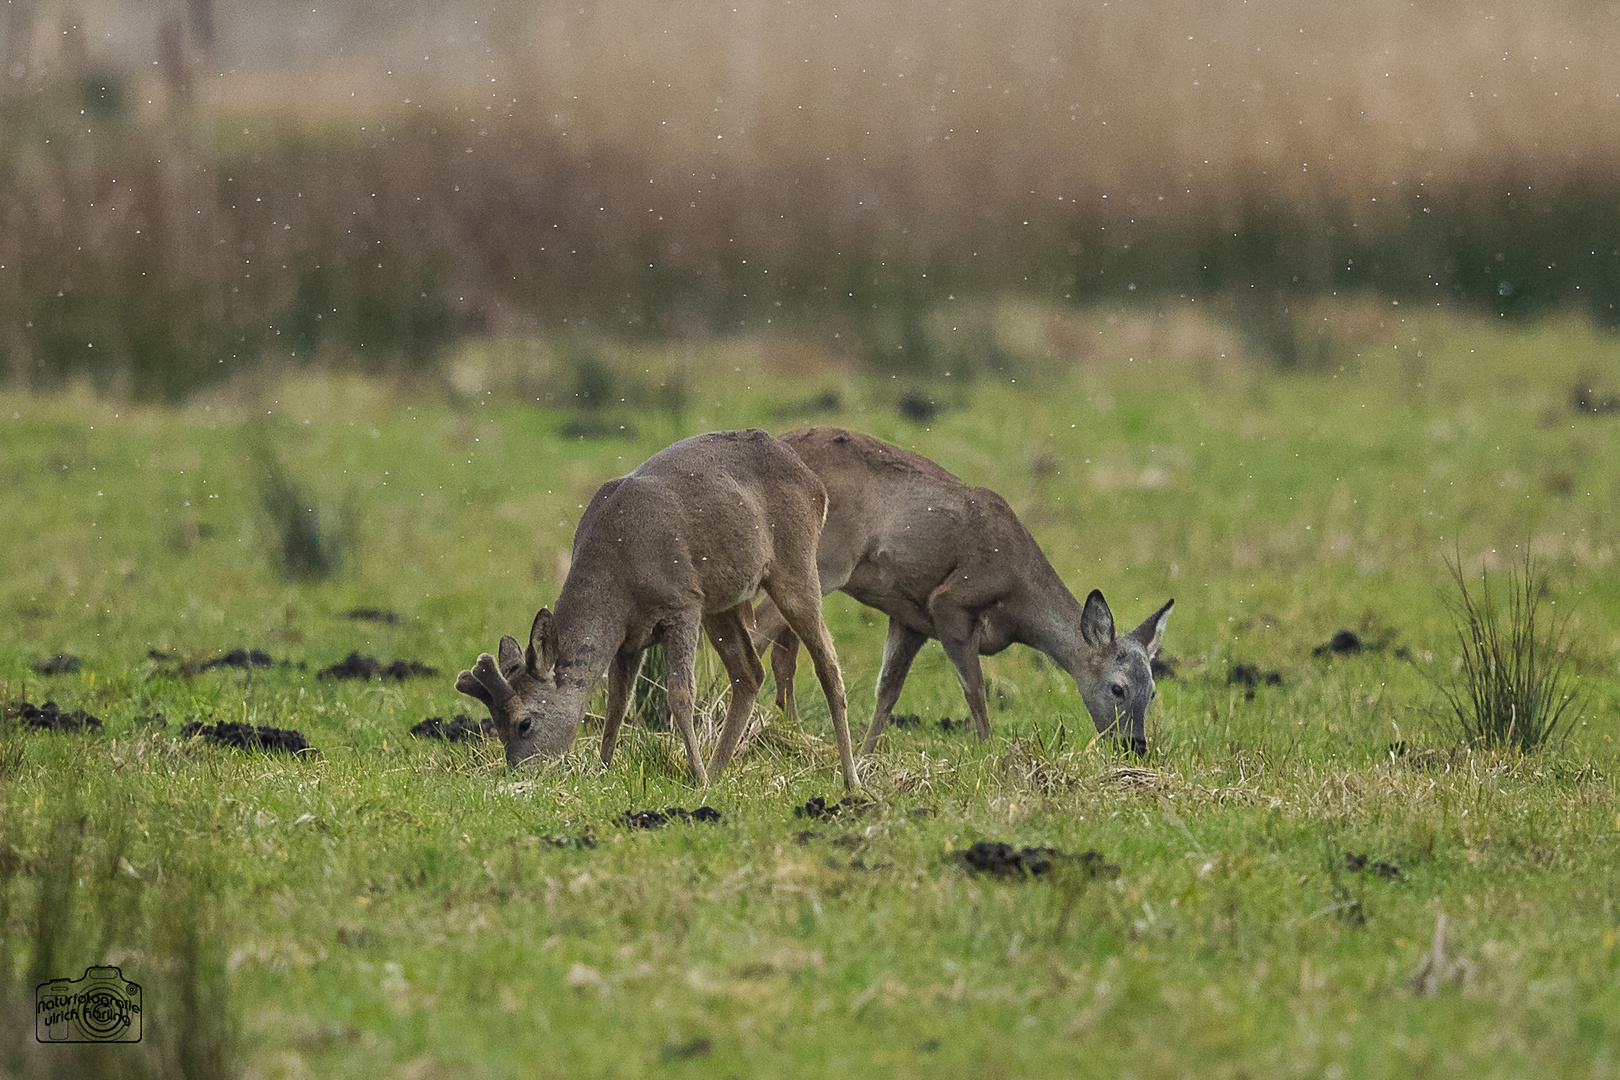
[
  {"x": 683, "y": 544},
  {"x": 952, "y": 562}
]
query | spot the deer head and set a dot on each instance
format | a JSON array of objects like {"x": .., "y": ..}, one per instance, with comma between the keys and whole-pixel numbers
[
  {"x": 535, "y": 712},
  {"x": 1116, "y": 678}
]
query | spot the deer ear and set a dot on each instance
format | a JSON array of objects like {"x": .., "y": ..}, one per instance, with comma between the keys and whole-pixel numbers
[
  {"x": 1096, "y": 621},
  {"x": 511, "y": 657},
  {"x": 1152, "y": 629},
  {"x": 542, "y": 655},
  {"x": 467, "y": 684}
]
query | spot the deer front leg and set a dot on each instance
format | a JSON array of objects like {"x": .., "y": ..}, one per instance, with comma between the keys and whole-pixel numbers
[
  {"x": 730, "y": 637},
  {"x": 958, "y": 632},
  {"x": 621, "y": 682},
  {"x": 899, "y": 650},
  {"x": 680, "y": 651}
]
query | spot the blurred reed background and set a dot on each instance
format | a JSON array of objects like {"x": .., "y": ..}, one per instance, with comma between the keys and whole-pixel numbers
[{"x": 189, "y": 187}]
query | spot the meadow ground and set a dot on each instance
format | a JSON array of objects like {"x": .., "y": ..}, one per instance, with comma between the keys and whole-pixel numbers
[{"x": 1269, "y": 881}]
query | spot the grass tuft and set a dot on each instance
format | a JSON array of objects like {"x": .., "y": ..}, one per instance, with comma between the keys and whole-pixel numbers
[
  {"x": 311, "y": 548},
  {"x": 1510, "y": 692}
]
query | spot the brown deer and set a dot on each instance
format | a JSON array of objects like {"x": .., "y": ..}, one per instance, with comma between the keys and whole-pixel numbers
[
  {"x": 683, "y": 544},
  {"x": 949, "y": 561}
]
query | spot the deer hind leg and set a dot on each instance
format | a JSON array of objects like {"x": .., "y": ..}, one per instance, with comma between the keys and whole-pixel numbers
[
  {"x": 621, "y": 681},
  {"x": 957, "y": 632},
  {"x": 729, "y": 634},
  {"x": 899, "y": 650},
  {"x": 771, "y": 629},
  {"x": 680, "y": 651},
  {"x": 800, "y": 604}
]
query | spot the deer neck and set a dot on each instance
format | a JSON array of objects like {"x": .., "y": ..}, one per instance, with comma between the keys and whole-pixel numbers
[
  {"x": 1055, "y": 628},
  {"x": 590, "y": 631}
]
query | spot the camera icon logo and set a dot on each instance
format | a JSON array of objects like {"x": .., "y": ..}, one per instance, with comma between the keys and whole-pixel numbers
[{"x": 99, "y": 1006}]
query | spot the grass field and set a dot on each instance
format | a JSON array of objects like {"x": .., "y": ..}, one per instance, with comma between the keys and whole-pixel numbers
[{"x": 401, "y": 907}]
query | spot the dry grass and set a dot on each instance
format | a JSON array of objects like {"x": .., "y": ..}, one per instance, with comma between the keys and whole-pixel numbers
[{"x": 627, "y": 170}]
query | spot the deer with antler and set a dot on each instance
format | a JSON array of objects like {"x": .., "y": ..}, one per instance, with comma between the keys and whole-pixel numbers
[
  {"x": 683, "y": 544},
  {"x": 952, "y": 562}
]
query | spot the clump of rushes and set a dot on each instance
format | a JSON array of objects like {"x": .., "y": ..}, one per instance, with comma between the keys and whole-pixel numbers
[
  {"x": 311, "y": 549},
  {"x": 1510, "y": 691}
]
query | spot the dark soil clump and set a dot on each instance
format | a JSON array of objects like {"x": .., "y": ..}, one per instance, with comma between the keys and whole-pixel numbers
[
  {"x": 248, "y": 737},
  {"x": 586, "y": 839},
  {"x": 1342, "y": 643},
  {"x": 1583, "y": 398},
  {"x": 50, "y": 717},
  {"x": 686, "y": 1051},
  {"x": 373, "y": 614},
  {"x": 828, "y": 401},
  {"x": 905, "y": 720},
  {"x": 355, "y": 666},
  {"x": 460, "y": 729},
  {"x": 60, "y": 664},
  {"x": 246, "y": 659},
  {"x": 818, "y": 809},
  {"x": 950, "y": 727},
  {"x": 653, "y": 819},
  {"x": 917, "y": 408},
  {"x": 1003, "y": 860},
  {"x": 1357, "y": 864},
  {"x": 1250, "y": 676}
]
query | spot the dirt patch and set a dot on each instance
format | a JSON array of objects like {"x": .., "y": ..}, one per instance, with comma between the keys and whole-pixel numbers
[
  {"x": 686, "y": 1051},
  {"x": 818, "y": 809},
  {"x": 50, "y": 717},
  {"x": 1587, "y": 400},
  {"x": 1358, "y": 864},
  {"x": 1342, "y": 643},
  {"x": 909, "y": 721},
  {"x": 654, "y": 819},
  {"x": 916, "y": 408},
  {"x": 1250, "y": 676},
  {"x": 804, "y": 836},
  {"x": 1003, "y": 860},
  {"x": 462, "y": 728},
  {"x": 355, "y": 666},
  {"x": 828, "y": 401},
  {"x": 248, "y": 737},
  {"x": 245, "y": 659},
  {"x": 951, "y": 727},
  {"x": 60, "y": 664},
  {"x": 586, "y": 839},
  {"x": 373, "y": 614}
]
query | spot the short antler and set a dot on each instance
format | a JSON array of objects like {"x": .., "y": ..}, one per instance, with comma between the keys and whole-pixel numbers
[{"x": 486, "y": 683}]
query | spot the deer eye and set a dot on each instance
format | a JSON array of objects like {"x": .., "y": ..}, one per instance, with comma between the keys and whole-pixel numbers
[
  {"x": 1119, "y": 691},
  {"x": 524, "y": 726}
]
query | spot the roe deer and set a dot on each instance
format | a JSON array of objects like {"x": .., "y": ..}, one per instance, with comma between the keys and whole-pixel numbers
[
  {"x": 684, "y": 543},
  {"x": 949, "y": 561}
]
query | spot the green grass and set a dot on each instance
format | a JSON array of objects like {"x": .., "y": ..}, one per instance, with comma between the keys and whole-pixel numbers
[{"x": 393, "y": 907}]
